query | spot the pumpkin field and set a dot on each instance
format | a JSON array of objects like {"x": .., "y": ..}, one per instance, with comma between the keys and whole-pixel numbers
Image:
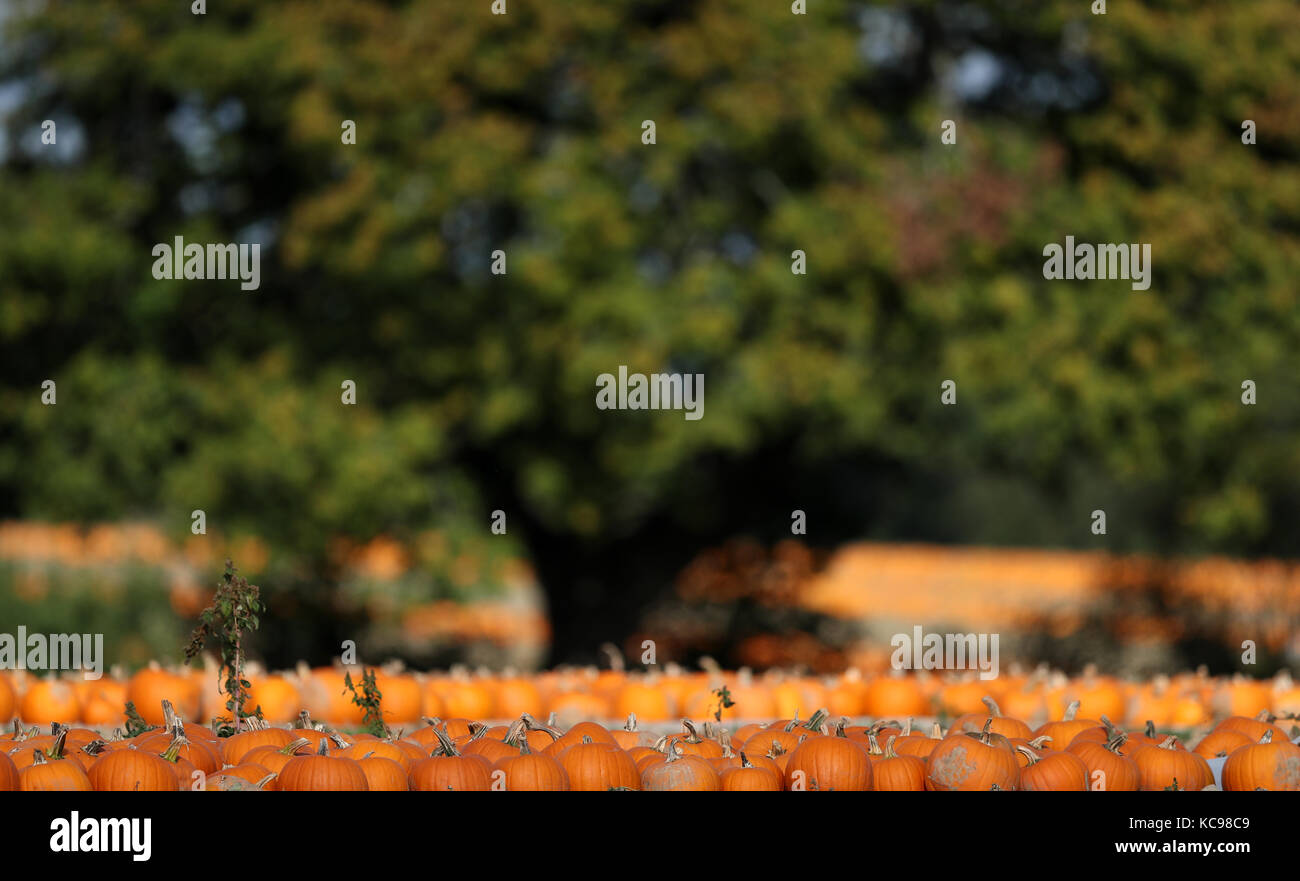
[{"x": 681, "y": 730}]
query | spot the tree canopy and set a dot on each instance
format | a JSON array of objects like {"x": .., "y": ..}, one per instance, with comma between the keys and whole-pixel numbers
[{"x": 774, "y": 133}]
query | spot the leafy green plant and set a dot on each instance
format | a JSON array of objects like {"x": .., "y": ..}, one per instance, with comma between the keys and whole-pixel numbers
[
  {"x": 723, "y": 694},
  {"x": 135, "y": 723},
  {"x": 233, "y": 613},
  {"x": 370, "y": 700}
]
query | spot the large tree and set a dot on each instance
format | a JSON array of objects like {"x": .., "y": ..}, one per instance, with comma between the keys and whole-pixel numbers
[{"x": 774, "y": 133}]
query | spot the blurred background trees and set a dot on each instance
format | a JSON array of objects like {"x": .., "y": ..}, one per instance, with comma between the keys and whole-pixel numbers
[{"x": 774, "y": 133}]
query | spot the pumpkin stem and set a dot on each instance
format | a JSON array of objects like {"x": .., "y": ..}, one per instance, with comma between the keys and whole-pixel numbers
[
  {"x": 1070, "y": 711},
  {"x": 445, "y": 745},
  {"x": 1268, "y": 736},
  {"x": 1168, "y": 742},
  {"x": 1033, "y": 757},
  {"x": 261, "y": 784},
  {"x": 815, "y": 721},
  {"x": 290, "y": 748},
  {"x": 38, "y": 758},
  {"x": 1116, "y": 743},
  {"x": 873, "y": 745},
  {"x": 1037, "y": 742},
  {"x": 889, "y": 745},
  {"x": 515, "y": 732},
  {"x": 56, "y": 749},
  {"x": 907, "y": 728},
  {"x": 994, "y": 709},
  {"x": 324, "y": 748},
  {"x": 1150, "y": 729},
  {"x": 534, "y": 725},
  {"x": 630, "y": 724},
  {"x": 744, "y": 760},
  {"x": 692, "y": 736},
  {"x": 936, "y": 733},
  {"x": 173, "y": 751},
  {"x": 170, "y": 719}
]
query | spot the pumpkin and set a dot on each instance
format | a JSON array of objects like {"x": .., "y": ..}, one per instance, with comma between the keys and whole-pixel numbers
[
  {"x": 1065, "y": 729},
  {"x": 321, "y": 772},
  {"x": 680, "y": 771},
  {"x": 237, "y": 746},
  {"x": 629, "y": 735},
  {"x": 823, "y": 763},
  {"x": 241, "y": 778},
  {"x": 277, "y": 697},
  {"x": 47, "y": 701},
  {"x": 596, "y": 767},
  {"x": 202, "y": 755},
  {"x": 404, "y": 754},
  {"x": 910, "y": 744},
  {"x": 274, "y": 758},
  {"x": 897, "y": 773},
  {"x": 133, "y": 770},
  {"x": 749, "y": 777},
  {"x": 531, "y": 771},
  {"x": 447, "y": 770},
  {"x": 1164, "y": 767},
  {"x": 1252, "y": 728},
  {"x": 1218, "y": 744},
  {"x": 645, "y": 699},
  {"x": 153, "y": 685},
  {"x": 693, "y": 744},
  {"x": 1108, "y": 767},
  {"x": 8, "y": 774},
  {"x": 1038, "y": 745},
  {"x": 383, "y": 774},
  {"x": 8, "y": 700},
  {"x": 998, "y": 723},
  {"x": 1271, "y": 764},
  {"x": 59, "y": 775},
  {"x": 574, "y": 736},
  {"x": 1057, "y": 771},
  {"x": 402, "y": 699},
  {"x": 973, "y": 761}
]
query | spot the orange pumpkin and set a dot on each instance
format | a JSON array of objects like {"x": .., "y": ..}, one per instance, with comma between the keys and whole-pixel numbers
[
  {"x": 751, "y": 777},
  {"x": 383, "y": 775},
  {"x": 449, "y": 771},
  {"x": 322, "y": 772},
  {"x": 897, "y": 773},
  {"x": 532, "y": 772},
  {"x": 1164, "y": 766},
  {"x": 680, "y": 771},
  {"x": 1271, "y": 764},
  {"x": 973, "y": 761},
  {"x": 824, "y": 763},
  {"x": 133, "y": 770},
  {"x": 1058, "y": 771},
  {"x": 597, "y": 767}
]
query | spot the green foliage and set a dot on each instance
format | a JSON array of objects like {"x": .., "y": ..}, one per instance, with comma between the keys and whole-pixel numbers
[
  {"x": 232, "y": 614},
  {"x": 135, "y": 723},
  {"x": 723, "y": 694},
  {"x": 775, "y": 132},
  {"x": 370, "y": 700}
]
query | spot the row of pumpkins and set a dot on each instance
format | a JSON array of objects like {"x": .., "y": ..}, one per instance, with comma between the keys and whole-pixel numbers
[
  {"x": 1187, "y": 700},
  {"x": 988, "y": 751}
]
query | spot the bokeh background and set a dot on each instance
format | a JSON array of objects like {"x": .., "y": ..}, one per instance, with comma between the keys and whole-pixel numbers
[{"x": 475, "y": 392}]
